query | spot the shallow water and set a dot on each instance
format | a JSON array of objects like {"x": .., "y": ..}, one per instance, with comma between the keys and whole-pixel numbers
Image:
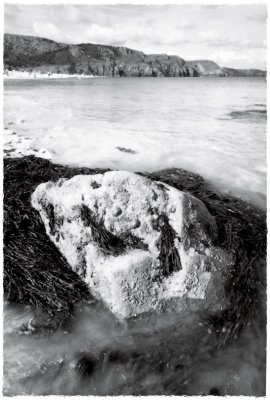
[
  {"x": 215, "y": 127},
  {"x": 163, "y": 355}
]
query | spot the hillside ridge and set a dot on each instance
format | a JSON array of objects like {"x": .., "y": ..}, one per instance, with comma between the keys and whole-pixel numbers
[{"x": 37, "y": 54}]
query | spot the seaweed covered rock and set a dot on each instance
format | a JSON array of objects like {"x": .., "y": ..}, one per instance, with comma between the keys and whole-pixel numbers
[
  {"x": 137, "y": 243},
  {"x": 242, "y": 231},
  {"x": 35, "y": 272}
]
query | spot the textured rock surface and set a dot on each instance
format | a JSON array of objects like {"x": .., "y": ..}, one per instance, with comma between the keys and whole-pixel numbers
[
  {"x": 207, "y": 67},
  {"x": 137, "y": 243},
  {"x": 34, "y": 54}
]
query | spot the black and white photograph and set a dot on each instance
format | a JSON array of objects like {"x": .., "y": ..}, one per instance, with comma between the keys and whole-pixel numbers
[{"x": 134, "y": 198}]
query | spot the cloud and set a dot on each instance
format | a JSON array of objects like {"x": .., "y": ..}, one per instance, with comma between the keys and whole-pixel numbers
[
  {"x": 106, "y": 34},
  {"x": 258, "y": 18},
  {"x": 46, "y": 29},
  {"x": 171, "y": 39},
  {"x": 121, "y": 35},
  {"x": 210, "y": 6},
  {"x": 211, "y": 38},
  {"x": 184, "y": 23},
  {"x": 150, "y": 22},
  {"x": 247, "y": 59}
]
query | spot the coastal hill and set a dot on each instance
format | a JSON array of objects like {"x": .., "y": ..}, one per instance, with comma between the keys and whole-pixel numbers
[
  {"x": 35, "y": 54},
  {"x": 210, "y": 68},
  {"x": 207, "y": 67},
  {"x": 244, "y": 72},
  {"x": 42, "y": 55}
]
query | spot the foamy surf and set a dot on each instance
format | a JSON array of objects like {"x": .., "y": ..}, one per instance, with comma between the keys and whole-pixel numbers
[
  {"x": 15, "y": 145},
  {"x": 135, "y": 125},
  {"x": 38, "y": 75}
]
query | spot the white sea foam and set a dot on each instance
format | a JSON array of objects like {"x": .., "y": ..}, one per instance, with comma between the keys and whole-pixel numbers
[
  {"x": 38, "y": 75},
  {"x": 15, "y": 145},
  {"x": 149, "y": 124}
]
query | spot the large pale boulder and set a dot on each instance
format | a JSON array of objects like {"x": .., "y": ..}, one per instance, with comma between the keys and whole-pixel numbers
[{"x": 138, "y": 244}]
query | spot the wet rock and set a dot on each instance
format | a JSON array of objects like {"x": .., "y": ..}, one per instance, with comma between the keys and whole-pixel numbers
[
  {"x": 42, "y": 322},
  {"x": 117, "y": 356},
  {"x": 86, "y": 365},
  {"x": 214, "y": 392},
  {"x": 171, "y": 256},
  {"x": 125, "y": 150}
]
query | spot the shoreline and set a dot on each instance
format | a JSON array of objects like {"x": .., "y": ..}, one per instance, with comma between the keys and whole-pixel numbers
[
  {"x": 38, "y": 75},
  {"x": 18, "y": 145},
  {"x": 15, "y": 74}
]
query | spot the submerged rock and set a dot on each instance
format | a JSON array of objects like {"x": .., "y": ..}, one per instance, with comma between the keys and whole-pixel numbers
[
  {"x": 86, "y": 365},
  {"x": 137, "y": 243}
]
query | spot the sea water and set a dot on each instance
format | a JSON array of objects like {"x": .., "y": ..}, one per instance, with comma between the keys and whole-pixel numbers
[{"x": 213, "y": 126}]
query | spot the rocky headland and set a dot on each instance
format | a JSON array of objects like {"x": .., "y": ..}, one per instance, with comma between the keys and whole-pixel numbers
[
  {"x": 244, "y": 72},
  {"x": 37, "y": 55},
  {"x": 208, "y": 68}
]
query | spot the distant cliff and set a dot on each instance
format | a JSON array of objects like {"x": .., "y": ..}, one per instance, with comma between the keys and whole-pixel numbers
[
  {"x": 210, "y": 68},
  {"x": 207, "y": 67},
  {"x": 244, "y": 72},
  {"x": 29, "y": 53},
  {"x": 35, "y": 54}
]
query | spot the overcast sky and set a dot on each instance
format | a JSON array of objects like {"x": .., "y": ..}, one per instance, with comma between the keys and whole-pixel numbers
[{"x": 232, "y": 36}]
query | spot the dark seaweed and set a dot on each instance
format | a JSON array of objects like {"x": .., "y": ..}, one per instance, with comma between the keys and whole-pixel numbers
[
  {"x": 242, "y": 231},
  {"x": 95, "y": 185},
  {"x": 106, "y": 240},
  {"x": 214, "y": 392},
  {"x": 169, "y": 257},
  {"x": 86, "y": 365},
  {"x": 133, "y": 241},
  {"x": 50, "y": 214},
  {"x": 35, "y": 272}
]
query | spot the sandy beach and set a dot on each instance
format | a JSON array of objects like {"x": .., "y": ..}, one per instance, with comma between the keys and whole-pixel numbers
[{"x": 15, "y": 74}]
